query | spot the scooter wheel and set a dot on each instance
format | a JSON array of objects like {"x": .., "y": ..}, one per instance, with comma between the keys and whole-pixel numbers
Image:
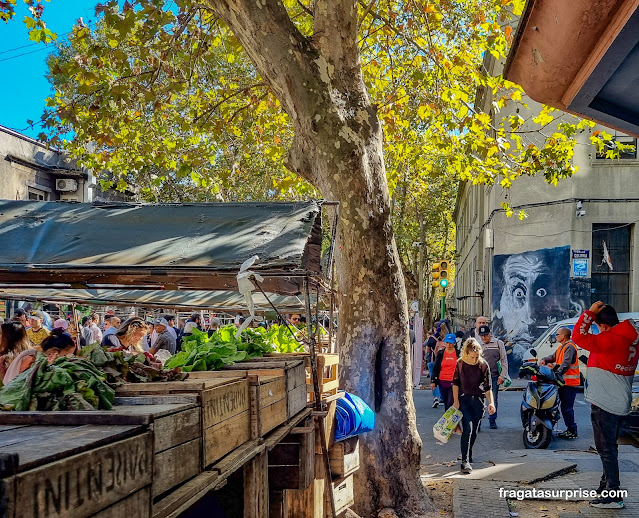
[{"x": 537, "y": 439}]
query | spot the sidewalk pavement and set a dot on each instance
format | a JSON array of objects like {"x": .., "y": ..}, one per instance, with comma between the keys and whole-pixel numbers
[{"x": 478, "y": 495}]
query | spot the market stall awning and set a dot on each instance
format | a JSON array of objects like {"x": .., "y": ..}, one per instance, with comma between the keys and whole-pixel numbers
[
  {"x": 581, "y": 56},
  {"x": 212, "y": 300},
  {"x": 185, "y": 246}
]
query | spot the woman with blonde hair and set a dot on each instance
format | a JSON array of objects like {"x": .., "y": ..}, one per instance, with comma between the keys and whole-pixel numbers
[
  {"x": 129, "y": 335},
  {"x": 471, "y": 384}
]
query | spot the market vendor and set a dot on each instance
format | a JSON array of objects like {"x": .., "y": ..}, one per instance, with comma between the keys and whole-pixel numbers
[
  {"x": 129, "y": 335},
  {"x": 54, "y": 346}
]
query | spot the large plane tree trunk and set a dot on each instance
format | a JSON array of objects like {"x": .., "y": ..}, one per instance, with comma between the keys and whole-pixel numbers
[{"x": 338, "y": 147}]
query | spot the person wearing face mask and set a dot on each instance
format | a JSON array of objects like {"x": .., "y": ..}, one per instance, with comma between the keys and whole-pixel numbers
[{"x": 471, "y": 385}]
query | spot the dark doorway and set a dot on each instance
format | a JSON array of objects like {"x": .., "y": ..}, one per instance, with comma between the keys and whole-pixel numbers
[{"x": 611, "y": 247}]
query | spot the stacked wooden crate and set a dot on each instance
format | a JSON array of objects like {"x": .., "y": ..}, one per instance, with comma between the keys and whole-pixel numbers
[
  {"x": 292, "y": 369},
  {"x": 344, "y": 462},
  {"x": 225, "y": 410},
  {"x": 60, "y": 471},
  {"x": 177, "y": 438},
  {"x": 267, "y": 401},
  {"x": 327, "y": 368}
]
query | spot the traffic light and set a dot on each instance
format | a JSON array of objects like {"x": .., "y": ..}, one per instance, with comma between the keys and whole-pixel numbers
[{"x": 440, "y": 274}]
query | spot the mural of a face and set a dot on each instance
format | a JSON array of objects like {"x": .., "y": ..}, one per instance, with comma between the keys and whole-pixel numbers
[{"x": 530, "y": 291}]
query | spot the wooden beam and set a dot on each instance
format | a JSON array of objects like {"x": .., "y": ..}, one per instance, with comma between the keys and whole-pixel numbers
[{"x": 256, "y": 487}]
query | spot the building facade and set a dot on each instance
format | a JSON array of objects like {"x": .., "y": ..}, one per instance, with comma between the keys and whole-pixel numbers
[
  {"x": 577, "y": 245},
  {"x": 30, "y": 171}
]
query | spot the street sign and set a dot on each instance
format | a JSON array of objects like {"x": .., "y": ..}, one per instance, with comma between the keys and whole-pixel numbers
[{"x": 580, "y": 267}]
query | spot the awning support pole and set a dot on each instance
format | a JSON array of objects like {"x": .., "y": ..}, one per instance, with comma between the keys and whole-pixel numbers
[
  {"x": 78, "y": 333},
  {"x": 318, "y": 400}
]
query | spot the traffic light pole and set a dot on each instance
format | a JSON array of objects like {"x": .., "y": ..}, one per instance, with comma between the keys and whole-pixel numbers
[{"x": 443, "y": 306}]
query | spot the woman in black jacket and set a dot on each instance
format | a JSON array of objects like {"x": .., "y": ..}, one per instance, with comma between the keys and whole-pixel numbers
[
  {"x": 444, "y": 369},
  {"x": 471, "y": 385}
]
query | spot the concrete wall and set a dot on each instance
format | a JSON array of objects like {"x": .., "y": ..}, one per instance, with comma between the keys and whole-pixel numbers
[{"x": 25, "y": 163}]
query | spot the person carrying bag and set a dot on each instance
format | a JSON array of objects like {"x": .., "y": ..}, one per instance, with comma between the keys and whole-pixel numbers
[{"x": 471, "y": 385}]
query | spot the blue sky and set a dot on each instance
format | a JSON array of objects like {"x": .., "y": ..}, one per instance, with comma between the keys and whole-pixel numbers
[{"x": 23, "y": 70}]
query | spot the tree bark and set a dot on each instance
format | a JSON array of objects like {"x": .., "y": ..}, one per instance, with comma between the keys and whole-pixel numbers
[{"x": 338, "y": 147}]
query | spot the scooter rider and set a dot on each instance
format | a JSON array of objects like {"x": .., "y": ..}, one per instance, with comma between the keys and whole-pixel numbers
[{"x": 566, "y": 364}]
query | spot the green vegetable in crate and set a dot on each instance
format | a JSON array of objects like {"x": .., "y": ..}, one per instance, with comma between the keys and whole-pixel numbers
[
  {"x": 120, "y": 367},
  {"x": 283, "y": 339},
  {"x": 201, "y": 352},
  {"x": 68, "y": 383}
]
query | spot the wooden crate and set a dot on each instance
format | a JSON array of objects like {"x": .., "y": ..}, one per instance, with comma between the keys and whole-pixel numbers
[
  {"x": 313, "y": 501},
  {"x": 226, "y": 420},
  {"x": 327, "y": 369},
  {"x": 268, "y": 396},
  {"x": 327, "y": 365},
  {"x": 268, "y": 403},
  {"x": 343, "y": 494},
  {"x": 291, "y": 462},
  {"x": 344, "y": 457},
  {"x": 138, "y": 505},
  {"x": 177, "y": 438},
  {"x": 328, "y": 418},
  {"x": 177, "y": 432},
  {"x": 294, "y": 372},
  {"x": 79, "y": 471}
]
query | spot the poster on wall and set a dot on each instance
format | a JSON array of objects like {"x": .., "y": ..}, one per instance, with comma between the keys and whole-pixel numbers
[
  {"x": 530, "y": 291},
  {"x": 579, "y": 296}
]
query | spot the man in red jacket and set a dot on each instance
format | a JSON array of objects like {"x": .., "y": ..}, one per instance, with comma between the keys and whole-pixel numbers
[{"x": 611, "y": 368}]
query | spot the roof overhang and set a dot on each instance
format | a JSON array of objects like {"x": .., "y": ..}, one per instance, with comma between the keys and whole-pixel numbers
[
  {"x": 180, "y": 247},
  {"x": 187, "y": 300},
  {"x": 580, "y": 56},
  {"x": 68, "y": 172}
]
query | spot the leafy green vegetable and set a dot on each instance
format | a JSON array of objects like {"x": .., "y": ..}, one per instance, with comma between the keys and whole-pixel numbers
[
  {"x": 66, "y": 384},
  {"x": 120, "y": 367},
  {"x": 83, "y": 382},
  {"x": 201, "y": 352}
]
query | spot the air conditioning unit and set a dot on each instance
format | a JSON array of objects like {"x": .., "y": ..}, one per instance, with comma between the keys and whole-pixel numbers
[{"x": 66, "y": 184}]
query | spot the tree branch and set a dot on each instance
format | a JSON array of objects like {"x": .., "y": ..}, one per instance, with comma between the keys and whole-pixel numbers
[
  {"x": 281, "y": 54},
  {"x": 211, "y": 109},
  {"x": 335, "y": 34}
]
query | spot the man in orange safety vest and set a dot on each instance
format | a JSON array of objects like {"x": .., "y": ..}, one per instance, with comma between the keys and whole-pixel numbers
[{"x": 566, "y": 364}]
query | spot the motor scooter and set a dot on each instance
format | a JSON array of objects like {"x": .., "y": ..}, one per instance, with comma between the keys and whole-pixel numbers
[{"x": 540, "y": 404}]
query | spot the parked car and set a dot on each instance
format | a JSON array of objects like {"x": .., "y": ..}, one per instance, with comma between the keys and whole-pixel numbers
[
  {"x": 545, "y": 345},
  {"x": 631, "y": 424}
]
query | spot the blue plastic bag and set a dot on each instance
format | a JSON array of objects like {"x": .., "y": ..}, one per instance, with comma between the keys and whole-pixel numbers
[{"x": 352, "y": 417}]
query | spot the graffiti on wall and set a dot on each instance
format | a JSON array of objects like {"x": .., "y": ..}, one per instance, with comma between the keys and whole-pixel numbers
[
  {"x": 579, "y": 296},
  {"x": 530, "y": 291}
]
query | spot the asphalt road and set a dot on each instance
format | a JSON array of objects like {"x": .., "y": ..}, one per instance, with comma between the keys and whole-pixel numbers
[{"x": 507, "y": 437}]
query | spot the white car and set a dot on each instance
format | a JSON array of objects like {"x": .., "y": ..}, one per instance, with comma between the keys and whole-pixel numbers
[{"x": 546, "y": 344}]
